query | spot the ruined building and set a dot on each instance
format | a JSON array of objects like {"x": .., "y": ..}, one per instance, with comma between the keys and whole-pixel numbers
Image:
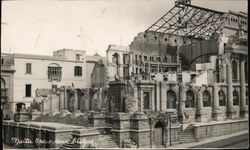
[{"x": 183, "y": 79}]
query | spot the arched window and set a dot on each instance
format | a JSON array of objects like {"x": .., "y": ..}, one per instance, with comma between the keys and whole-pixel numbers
[
  {"x": 165, "y": 59},
  {"x": 171, "y": 99},
  {"x": 115, "y": 58},
  {"x": 4, "y": 91},
  {"x": 190, "y": 99},
  {"x": 3, "y": 84},
  {"x": 115, "y": 61},
  {"x": 206, "y": 99},
  {"x": 234, "y": 71},
  {"x": 222, "y": 98},
  {"x": 235, "y": 98}
]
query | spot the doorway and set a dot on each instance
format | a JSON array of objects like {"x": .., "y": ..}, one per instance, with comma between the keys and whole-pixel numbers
[{"x": 158, "y": 134}]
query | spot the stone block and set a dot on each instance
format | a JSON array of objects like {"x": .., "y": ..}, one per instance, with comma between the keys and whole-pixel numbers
[
  {"x": 217, "y": 115},
  {"x": 64, "y": 113},
  {"x": 97, "y": 119},
  {"x": 244, "y": 112},
  {"x": 231, "y": 114},
  {"x": 76, "y": 113},
  {"x": 35, "y": 114},
  {"x": 22, "y": 116},
  {"x": 53, "y": 113},
  {"x": 121, "y": 121},
  {"x": 82, "y": 138},
  {"x": 200, "y": 116}
]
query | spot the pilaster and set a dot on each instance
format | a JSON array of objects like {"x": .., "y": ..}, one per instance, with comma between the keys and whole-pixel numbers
[
  {"x": 216, "y": 112},
  {"x": 243, "y": 106}
]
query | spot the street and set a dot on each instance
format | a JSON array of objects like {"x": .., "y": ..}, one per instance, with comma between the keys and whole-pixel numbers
[{"x": 233, "y": 142}]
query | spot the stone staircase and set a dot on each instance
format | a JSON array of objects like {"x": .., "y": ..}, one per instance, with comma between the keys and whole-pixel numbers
[
  {"x": 186, "y": 136},
  {"x": 106, "y": 141}
]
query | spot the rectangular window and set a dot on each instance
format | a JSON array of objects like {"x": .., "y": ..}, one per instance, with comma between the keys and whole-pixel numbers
[
  {"x": 28, "y": 90},
  {"x": 146, "y": 100},
  {"x": 54, "y": 86},
  {"x": 2, "y": 61},
  {"x": 28, "y": 68},
  {"x": 140, "y": 59},
  {"x": 136, "y": 61},
  {"x": 126, "y": 58},
  {"x": 77, "y": 56},
  {"x": 126, "y": 72},
  {"x": 78, "y": 71}
]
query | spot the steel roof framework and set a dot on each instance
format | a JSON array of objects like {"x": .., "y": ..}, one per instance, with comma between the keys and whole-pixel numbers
[{"x": 188, "y": 21}]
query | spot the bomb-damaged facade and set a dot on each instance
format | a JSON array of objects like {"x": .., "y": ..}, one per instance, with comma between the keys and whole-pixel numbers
[{"x": 177, "y": 82}]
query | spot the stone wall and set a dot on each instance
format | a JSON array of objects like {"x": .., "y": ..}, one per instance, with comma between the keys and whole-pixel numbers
[
  {"x": 37, "y": 134},
  {"x": 204, "y": 131}
]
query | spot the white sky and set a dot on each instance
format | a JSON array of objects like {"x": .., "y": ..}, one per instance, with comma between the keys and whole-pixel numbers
[{"x": 40, "y": 27}]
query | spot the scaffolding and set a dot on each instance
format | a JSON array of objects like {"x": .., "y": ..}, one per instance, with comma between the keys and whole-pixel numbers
[{"x": 188, "y": 21}]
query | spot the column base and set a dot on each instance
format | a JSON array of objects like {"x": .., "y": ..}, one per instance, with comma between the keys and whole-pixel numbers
[
  {"x": 64, "y": 113},
  {"x": 53, "y": 113},
  {"x": 76, "y": 113},
  {"x": 244, "y": 112},
  {"x": 200, "y": 116},
  {"x": 231, "y": 114},
  {"x": 217, "y": 115}
]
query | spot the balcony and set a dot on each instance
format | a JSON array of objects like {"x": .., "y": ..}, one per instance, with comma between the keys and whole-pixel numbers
[
  {"x": 7, "y": 67},
  {"x": 55, "y": 77}
]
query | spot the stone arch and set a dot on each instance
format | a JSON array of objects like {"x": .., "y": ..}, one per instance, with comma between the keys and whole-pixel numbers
[
  {"x": 3, "y": 83},
  {"x": 222, "y": 98},
  {"x": 206, "y": 99},
  {"x": 171, "y": 99},
  {"x": 54, "y": 65},
  {"x": 190, "y": 99},
  {"x": 20, "y": 106},
  {"x": 236, "y": 98},
  {"x": 159, "y": 133}
]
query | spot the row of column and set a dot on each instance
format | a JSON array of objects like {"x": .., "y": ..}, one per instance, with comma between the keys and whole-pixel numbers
[
  {"x": 216, "y": 112},
  {"x": 65, "y": 99}
]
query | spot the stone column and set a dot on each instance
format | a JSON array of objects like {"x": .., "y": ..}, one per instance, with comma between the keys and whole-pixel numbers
[
  {"x": 153, "y": 99},
  {"x": 243, "y": 106},
  {"x": 142, "y": 100},
  {"x": 230, "y": 110},
  {"x": 157, "y": 84},
  {"x": 76, "y": 110},
  {"x": 149, "y": 68},
  {"x": 200, "y": 115},
  {"x": 86, "y": 100},
  {"x": 182, "y": 100},
  {"x": 50, "y": 104},
  {"x": 66, "y": 101},
  {"x": 61, "y": 99},
  {"x": 217, "y": 113}
]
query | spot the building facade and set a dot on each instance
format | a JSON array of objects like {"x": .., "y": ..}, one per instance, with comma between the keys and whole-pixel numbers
[{"x": 25, "y": 73}]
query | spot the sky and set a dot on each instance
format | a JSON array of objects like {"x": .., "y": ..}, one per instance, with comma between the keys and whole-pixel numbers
[{"x": 40, "y": 26}]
